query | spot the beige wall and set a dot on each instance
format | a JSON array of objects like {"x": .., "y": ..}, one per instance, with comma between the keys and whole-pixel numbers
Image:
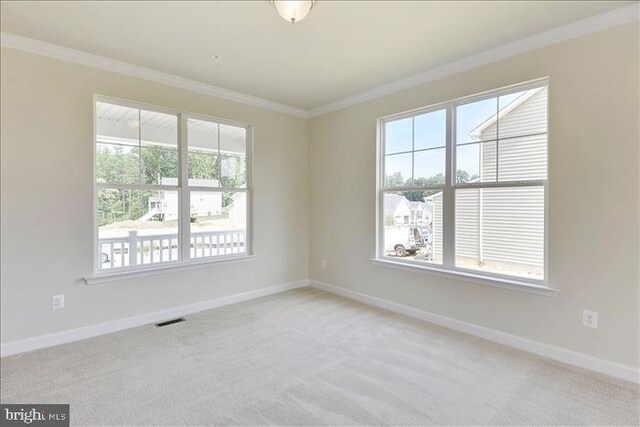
[
  {"x": 301, "y": 216},
  {"x": 593, "y": 199},
  {"x": 47, "y": 199}
]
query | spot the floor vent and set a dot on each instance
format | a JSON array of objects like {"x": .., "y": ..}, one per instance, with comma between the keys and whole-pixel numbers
[{"x": 169, "y": 322}]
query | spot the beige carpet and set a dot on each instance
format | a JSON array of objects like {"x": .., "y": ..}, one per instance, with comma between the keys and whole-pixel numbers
[{"x": 309, "y": 357}]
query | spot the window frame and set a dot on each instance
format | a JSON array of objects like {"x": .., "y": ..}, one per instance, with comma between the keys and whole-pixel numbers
[
  {"x": 448, "y": 266},
  {"x": 182, "y": 188}
]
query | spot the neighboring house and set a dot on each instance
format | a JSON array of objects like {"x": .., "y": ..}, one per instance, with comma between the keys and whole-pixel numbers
[
  {"x": 421, "y": 212},
  {"x": 490, "y": 227},
  {"x": 203, "y": 203},
  {"x": 397, "y": 209}
]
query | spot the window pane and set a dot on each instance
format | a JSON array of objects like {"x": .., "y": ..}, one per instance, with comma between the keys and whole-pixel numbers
[
  {"x": 117, "y": 125},
  {"x": 137, "y": 227},
  {"x": 203, "y": 169},
  {"x": 501, "y": 230},
  {"x": 430, "y": 130},
  {"x": 160, "y": 165},
  {"x": 429, "y": 167},
  {"x": 397, "y": 169},
  {"x": 159, "y": 129},
  {"x": 233, "y": 140},
  {"x": 476, "y": 162},
  {"x": 523, "y": 113},
  {"x": 413, "y": 225},
  {"x": 233, "y": 171},
  {"x": 522, "y": 158},
  {"x": 398, "y": 136},
  {"x": 117, "y": 144},
  {"x": 476, "y": 121},
  {"x": 117, "y": 164},
  {"x": 203, "y": 137},
  {"x": 159, "y": 150},
  {"x": 233, "y": 159},
  {"x": 218, "y": 223}
]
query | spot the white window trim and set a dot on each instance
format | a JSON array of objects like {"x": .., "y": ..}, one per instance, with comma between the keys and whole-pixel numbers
[
  {"x": 164, "y": 268},
  {"x": 185, "y": 262},
  {"x": 471, "y": 276},
  {"x": 448, "y": 267}
]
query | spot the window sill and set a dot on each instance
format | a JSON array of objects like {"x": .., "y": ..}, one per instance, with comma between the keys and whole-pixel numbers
[
  {"x": 498, "y": 282},
  {"x": 122, "y": 274}
]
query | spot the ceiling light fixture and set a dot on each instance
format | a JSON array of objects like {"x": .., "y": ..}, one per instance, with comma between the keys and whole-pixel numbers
[{"x": 293, "y": 10}]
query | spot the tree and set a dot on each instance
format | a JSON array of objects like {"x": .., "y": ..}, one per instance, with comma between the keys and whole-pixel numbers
[
  {"x": 394, "y": 180},
  {"x": 158, "y": 163},
  {"x": 462, "y": 176},
  {"x": 203, "y": 165},
  {"x": 117, "y": 165},
  {"x": 114, "y": 165},
  {"x": 420, "y": 195},
  {"x": 233, "y": 175}
]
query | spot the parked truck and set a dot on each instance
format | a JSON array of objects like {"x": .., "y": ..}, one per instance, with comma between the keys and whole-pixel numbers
[{"x": 405, "y": 240}]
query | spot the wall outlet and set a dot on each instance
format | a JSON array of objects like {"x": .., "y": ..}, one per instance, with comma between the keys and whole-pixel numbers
[
  {"x": 323, "y": 263},
  {"x": 57, "y": 301},
  {"x": 590, "y": 319}
]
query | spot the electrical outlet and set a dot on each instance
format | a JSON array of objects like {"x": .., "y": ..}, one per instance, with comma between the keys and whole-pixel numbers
[
  {"x": 57, "y": 301},
  {"x": 323, "y": 263},
  {"x": 590, "y": 319}
]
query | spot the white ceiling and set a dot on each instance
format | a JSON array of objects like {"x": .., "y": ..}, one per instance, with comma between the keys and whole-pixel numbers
[{"x": 342, "y": 48}]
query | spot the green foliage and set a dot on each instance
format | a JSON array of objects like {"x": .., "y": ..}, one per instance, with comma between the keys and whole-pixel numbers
[
  {"x": 114, "y": 165},
  {"x": 233, "y": 171},
  {"x": 396, "y": 180},
  {"x": 463, "y": 176},
  {"x": 419, "y": 196},
  {"x": 115, "y": 205},
  {"x": 203, "y": 165},
  {"x": 158, "y": 163},
  {"x": 119, "y": 165}
]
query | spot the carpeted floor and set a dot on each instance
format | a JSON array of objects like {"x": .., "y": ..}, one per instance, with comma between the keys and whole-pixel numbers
[{"x": 308, "y": 357}]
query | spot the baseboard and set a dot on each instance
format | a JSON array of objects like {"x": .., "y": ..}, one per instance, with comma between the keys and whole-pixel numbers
[
  {"x": 560, "y": 354},
  {"x": 49, "y": 340}
]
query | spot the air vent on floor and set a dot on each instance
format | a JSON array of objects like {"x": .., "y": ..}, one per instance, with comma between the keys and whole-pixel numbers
[{"x": 169, "y": 322}]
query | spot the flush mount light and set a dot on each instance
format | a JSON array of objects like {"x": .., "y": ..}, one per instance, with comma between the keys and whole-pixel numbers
[{"x": 293, "y": 10}]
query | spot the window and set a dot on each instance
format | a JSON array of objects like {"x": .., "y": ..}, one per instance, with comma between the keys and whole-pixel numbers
[
  {"x": 170, "y": 187},
  {"x": 462, "y": 185}
]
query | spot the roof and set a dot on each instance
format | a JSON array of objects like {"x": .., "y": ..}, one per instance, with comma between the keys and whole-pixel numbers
[
  {"x": 129, "y": 126},
  {"x": 475, "y": 132},
  {"x": 416, "y": 205},
  {"x": 391, "y": 201}
]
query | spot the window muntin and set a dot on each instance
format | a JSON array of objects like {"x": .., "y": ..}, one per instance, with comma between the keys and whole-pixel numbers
[
  {"x": 143, "y": 201},
  {"x": 487, "y": 210}
]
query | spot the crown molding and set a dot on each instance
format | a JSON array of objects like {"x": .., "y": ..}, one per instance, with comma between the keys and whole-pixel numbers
[
  {"x": 614, "y": 18},
  {"x": 79, "y": 57}
]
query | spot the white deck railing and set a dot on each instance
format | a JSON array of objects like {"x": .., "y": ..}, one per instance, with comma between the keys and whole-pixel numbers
[{"x": 149, "y": 249}]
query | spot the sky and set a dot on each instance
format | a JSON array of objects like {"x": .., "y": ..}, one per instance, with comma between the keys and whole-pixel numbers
[{"x": 428, "y": 131}]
